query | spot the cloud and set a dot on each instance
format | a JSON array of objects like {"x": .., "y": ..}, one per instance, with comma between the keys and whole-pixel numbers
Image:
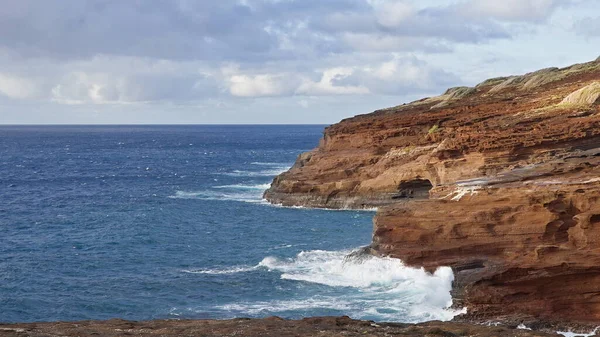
[
  {"x": 395, "y": 76},
  {"x": 17, "y": 88},
  {"x": 588, "y": 26},
  {"x": 392, "y": 13},
  {"x": 330, "y": 84},
  {"x": 401, "y": 76},
  {"x": 108, "y": 80},
  {"x": 260, "y": 85},
  {"x": 160, "y": 29},
  {"x": 244, "y": 31},
  {"x": 509, "y": 10},
  {"x": 392, "y": 43},
  {"x": 186, "y": 51}
]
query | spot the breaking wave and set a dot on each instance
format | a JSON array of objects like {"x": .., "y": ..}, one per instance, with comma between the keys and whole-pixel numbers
[
  {"x": 374, "y": 288},
  {"x": 262, "y": 173},
  {"x": 261, "y": 187},
  {"x": 265, "y": 169},
  {"x": 217, "y": 271},
  {"x": 270, "y": 164},
  {"x": 252, "y": 196}
]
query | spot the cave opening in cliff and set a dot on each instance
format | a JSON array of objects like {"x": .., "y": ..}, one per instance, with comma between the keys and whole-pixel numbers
[{"x": 414, "y": 189}]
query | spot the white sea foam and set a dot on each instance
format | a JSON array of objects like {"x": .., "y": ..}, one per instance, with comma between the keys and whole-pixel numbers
[
  {"x": 271, "y": 164},
  {"x": 250, "y": 196},
  {"x": 257, "y": 308},
  {"x": 577, "y": 334},
  {"x": 250, "y": 193},
  {"x": 221, "y": 271},
  {"x": 261, "y": 187},
  {"x": 381, "y": 288},
  {"x": 523, "y": 327},
  {"x": 262, "y": 173}
]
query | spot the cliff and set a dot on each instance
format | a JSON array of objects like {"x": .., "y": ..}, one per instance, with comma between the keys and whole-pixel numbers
[{"x": 500, "y": 182}]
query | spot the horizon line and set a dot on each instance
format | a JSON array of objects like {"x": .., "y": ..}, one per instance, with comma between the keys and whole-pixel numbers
[{"x": 166, "y": 124}]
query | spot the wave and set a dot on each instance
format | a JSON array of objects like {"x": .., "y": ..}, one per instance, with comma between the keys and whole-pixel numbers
[
  {"x": 244, "y": 187},
  {"x": 271, "y": 164},
  {"x": 253, "y": 196},
  {"x": 262, "y": 173},
  {"x": 258, "y": 308},
  {"x": 269, "y": 169},
  {"x": 250, "y": 194},
  {"x": 375, "y": 287},
  {"x": 222, "y": 271}
]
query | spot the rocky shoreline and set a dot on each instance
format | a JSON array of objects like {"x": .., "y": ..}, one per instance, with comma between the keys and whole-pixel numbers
[
  {"x": 501, "y": 182},
  {"x": 272, "y": 326}
]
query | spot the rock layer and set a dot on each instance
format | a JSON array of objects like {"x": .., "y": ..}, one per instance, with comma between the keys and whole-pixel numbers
[{"x": 500, "y": 181}]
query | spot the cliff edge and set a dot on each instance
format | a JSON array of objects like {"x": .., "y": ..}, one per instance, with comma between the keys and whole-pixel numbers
[{"x": 500, "y": 181}]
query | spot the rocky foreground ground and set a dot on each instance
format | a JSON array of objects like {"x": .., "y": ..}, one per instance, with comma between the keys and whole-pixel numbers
[
  {"x": 268, "y": 327},
  {"x": 500, "y": 181}
]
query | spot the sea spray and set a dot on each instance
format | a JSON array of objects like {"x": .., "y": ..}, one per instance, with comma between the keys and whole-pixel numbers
[
  {"x": 263, "y": 173},
  {"x": 261, "y": 187},
  {"x": 241, "y": 193},
  {"x": 578, "y": 334},
  {"x": 376, "y": 287}
]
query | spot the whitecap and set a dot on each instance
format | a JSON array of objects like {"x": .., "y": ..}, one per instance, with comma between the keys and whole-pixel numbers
[
  {"x": 270, "y": 164},
  {"x": 251, "y": 196},
  {"x": 262, "y": 307},
  {"x": 262, "y": 173},
  {"x": 380, "y": 288},
  {"x": 221, "y": 271},
  {"x": 261, "y": 187},
  {"x": 578, "y": 334},
  {"x": 281, "y": 246}
]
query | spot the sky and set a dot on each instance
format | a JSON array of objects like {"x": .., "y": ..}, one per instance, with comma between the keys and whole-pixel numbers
[{"x": 268, "y": 61}]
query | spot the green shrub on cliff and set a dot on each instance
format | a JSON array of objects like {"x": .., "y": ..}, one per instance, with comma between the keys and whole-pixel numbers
[{"x": 433, "y": 129}]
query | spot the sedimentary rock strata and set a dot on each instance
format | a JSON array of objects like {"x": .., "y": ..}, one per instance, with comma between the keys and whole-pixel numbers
[{"x": 500, "y": 181}]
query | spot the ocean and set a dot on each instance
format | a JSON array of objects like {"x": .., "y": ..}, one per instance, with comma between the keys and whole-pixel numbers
[{"x": 148, "y": 222}]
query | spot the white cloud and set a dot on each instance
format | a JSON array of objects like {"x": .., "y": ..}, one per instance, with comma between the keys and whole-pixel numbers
[
  {"x": 18, "y": 87},
  {"x": 107, "y": 80},
  {"x": 391, "y": 43},
  {"x": 189, "y": 53},
  {"x": 259, "y": 85},
  {"x": 82, "y": 88},
  {"x": 328, "y": 84},
  {"x": 510, "y": 10},
  {"x": 401, "y": 76},
  {"x": 392, "y": 13}
]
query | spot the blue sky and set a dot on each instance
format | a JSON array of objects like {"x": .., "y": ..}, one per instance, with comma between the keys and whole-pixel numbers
[{"x": 268, "y": 61}]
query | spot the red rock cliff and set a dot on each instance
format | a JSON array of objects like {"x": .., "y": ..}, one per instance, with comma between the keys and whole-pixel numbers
[{"x": 500, "y": 181}]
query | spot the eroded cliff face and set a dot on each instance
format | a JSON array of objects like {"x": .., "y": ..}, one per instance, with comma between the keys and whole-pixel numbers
[{"x": 500, "y": 181}]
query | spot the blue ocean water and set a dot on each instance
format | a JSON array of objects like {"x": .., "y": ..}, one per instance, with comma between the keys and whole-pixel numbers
[{"x": 144, "y": 222}]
